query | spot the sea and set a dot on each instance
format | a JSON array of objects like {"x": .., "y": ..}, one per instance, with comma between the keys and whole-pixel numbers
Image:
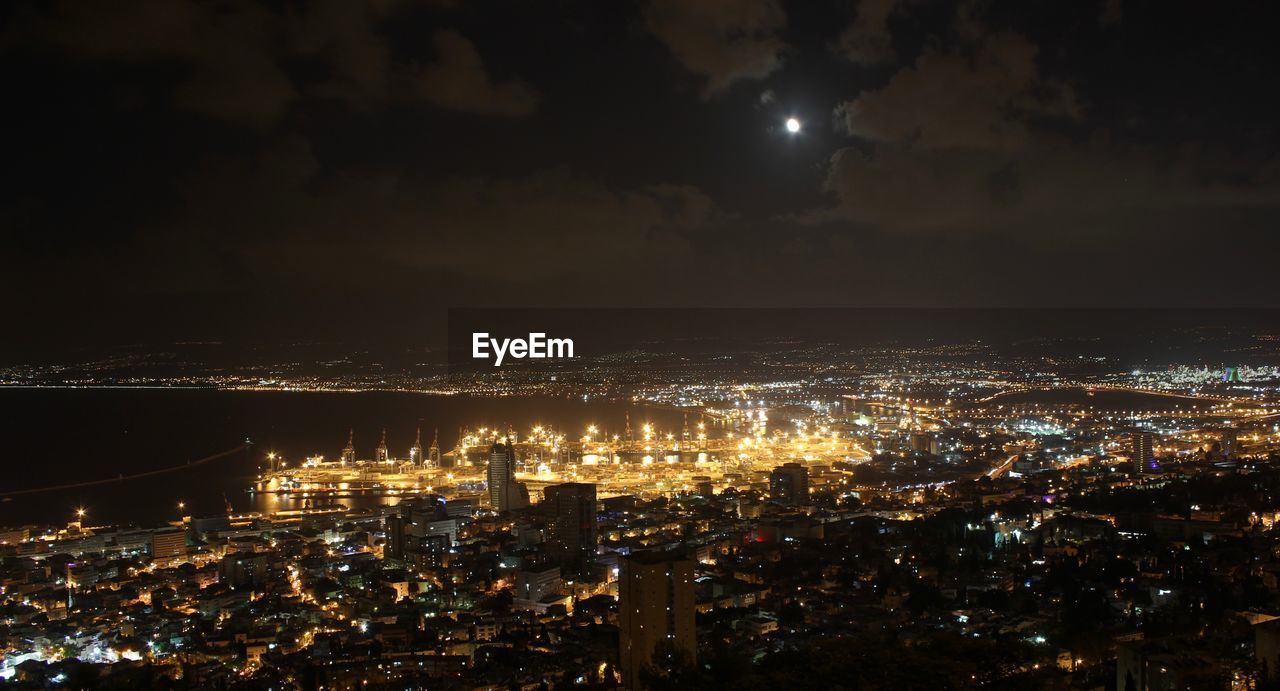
[{"x": 58, "y": 436}]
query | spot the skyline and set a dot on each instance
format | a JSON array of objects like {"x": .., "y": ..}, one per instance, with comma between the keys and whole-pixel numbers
[{"x": 444, "y": 342}]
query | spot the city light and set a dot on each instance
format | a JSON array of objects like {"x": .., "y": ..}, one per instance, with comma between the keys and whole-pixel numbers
[{"x": 636, "y": 346}]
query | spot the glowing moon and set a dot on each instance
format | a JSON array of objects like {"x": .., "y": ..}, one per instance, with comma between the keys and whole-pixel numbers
[{"x": 793, "y": 125}]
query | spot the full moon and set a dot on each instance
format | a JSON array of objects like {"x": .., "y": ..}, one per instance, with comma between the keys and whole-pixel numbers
[{"x": 793, "y": 125}]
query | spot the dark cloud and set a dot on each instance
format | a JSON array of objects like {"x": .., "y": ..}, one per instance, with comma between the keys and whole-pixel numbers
[
  {"x": 276, "y": 214},
  {"x": 1042, "y": 190},
  {"x": 200, "y": 168},
  {"x": 975, "y": 136},
  {"x": 248, "y": 63},
  {"x": 982, "y": 98},
  {"x": 1112, "y": 12},
  {"x": 725, "y": 41},
  {"x": 224, "y": 52},
  {"x": 458, "y": 80},
  {"x": 867, "y": 40}
]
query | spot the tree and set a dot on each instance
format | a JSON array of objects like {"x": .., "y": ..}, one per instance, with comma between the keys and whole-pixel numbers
[{"x": 499, "y": 603}]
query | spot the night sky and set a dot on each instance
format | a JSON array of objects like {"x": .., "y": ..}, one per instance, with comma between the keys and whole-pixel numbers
[{"x": 230, "y": 170}]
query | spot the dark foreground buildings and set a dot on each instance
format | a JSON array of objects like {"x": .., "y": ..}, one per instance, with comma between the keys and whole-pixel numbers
[
  {"x": 655, "y": 613},
  {"x": 570, "y": 512},
  {"x": 789, "y": 484}
]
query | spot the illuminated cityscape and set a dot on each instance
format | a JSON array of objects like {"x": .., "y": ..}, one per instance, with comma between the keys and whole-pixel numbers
[
  {"x": 1067, "y": 531},
  {"x": 642, "y": 345}
]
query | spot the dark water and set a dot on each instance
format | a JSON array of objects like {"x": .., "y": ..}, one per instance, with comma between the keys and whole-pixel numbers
[
  {"x": 57, "y": 436},
  {"x": 1103, "y": 399}
]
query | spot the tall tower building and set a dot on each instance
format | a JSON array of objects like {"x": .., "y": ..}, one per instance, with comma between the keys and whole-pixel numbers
[
  {"x": 380, "y": 454},
  {"x": 655, "y": 605},
  {"x": 395, "y": 545},
  {"x": 349, "y": 452},
  {"x": 1142, "y": 451},
  {"x": 570, "y": 511},
  {"x": 505, "y": 493},
  {"x": 789, "y": 484},
  {"x": 415, "y": 452}
]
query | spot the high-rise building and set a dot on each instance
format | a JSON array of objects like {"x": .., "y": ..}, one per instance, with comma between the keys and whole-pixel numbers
[
  {"x": 421, "y": 532},
  {"x": 349, "y": 452},
  {"x": 243, "y": 569},
  {"x": 501, "y": 472},
  {"x": 168, "y": 543},
  {"x": 655, "y": 606},
  {"x": 395, "y": 546},
  {"x": 570, "y": 511},
  {"x": 535, "y": 583},
  {"x": 505, "y": 494},
  {"x": 1266, "y": 646},
  {"x": 1142, "y": 451},
  {"x": 924, "y": 442},
  {"x": 380, "y": 454},
  {"x": 789, "y": 484}
]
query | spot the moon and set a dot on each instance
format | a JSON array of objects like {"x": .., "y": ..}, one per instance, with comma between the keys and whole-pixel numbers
[{"x": 793, "y": 125}]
